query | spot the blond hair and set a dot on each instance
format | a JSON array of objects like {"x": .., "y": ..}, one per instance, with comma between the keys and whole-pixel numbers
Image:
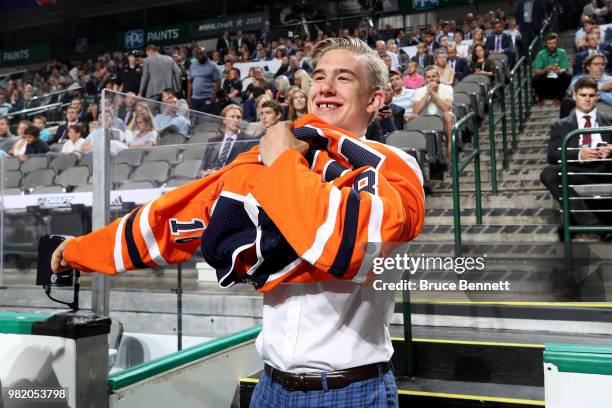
[{"x": 378, "y": 71}]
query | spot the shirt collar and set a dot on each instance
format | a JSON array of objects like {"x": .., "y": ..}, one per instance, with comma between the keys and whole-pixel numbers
[
  {"x": 227, "y": 135},
  {"x": 580, "y": 116}
]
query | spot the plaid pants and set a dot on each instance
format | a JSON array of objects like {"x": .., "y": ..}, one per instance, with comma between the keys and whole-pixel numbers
[{"x": 379, "y": 392}]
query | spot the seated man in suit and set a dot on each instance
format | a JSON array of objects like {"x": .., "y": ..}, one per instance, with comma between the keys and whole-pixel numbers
[
  {"x": 456, "y": 63},
  {"x": 388, "y": 119},
  {"x": 500, "y": 43},
  {"x": 422, "y": 58},
  {"x": 224, "y": 148},
  {"x": 591, "y": 47},
  {"x": 592, "y": 149}
]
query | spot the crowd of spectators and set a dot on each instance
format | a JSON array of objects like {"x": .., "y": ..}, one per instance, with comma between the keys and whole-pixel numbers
[{"x": 424, "y": 63}]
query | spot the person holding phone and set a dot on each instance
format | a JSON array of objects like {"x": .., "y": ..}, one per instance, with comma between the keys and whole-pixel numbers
[
  {"x": 551, "y": 77},
  {"x": 588, "y": 154}
]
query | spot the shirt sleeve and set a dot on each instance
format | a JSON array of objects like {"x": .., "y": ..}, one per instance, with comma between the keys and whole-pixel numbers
[
  {"x": 164, "y": 231},
  {"x": 563, "y": 62}
]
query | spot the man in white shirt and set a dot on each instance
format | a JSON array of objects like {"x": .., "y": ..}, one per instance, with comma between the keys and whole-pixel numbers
[
  {"x": 589, "y": 149},
  {"x": 381, "y": 49},
  {"x": 435, "y": 98},
  {"x": 402, "y": 96}
]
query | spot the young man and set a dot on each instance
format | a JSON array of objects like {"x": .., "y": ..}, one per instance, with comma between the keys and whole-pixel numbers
[
  {"x": 422, "y": 58},
  {"x": 402, "y": 96},
  {"x": 592, "y": 149},
  {"x": 270, "y": 113},
  {"x": 61, "y": 134},
  {"x": 158, "y": 73},
  {"x": 413, "y": 80},
  {"x": 436, "y": 98},
  {"x": 551, "y": 79},
  {"x": 307, "y": 326}
]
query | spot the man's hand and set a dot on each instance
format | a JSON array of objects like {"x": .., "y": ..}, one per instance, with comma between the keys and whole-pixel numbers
[
  {"x": 588, "y": 154},
  {"x": 605, "y": 151},
  {"x": 277, "y": 139},
  {"x": 606, "y": 86},
  {"x": 432, "y": 87},
  {"x": 207, "y": 172},
  {"x": 58, "y": 263}
]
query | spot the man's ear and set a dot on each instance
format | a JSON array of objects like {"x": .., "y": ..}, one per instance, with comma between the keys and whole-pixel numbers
[
  {"x": 574, "y": 95},
  {"x": 377, "y": 100}
]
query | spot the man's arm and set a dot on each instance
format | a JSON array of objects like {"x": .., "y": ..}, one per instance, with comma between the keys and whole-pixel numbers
[
  {"x": 329, "y": 222},
  {"x": 146, "y": 237},
  {"x": 145, "y": 78},
  {"x": 557, "y": 133},
  {"x": 418, "y": 105},
  {"x": 444, "y": 104}
]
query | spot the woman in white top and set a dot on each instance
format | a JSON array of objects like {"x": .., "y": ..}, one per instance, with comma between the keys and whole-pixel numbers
[
  {"x": 75, "y": 140},
  {"x": 145, "y": 134}
]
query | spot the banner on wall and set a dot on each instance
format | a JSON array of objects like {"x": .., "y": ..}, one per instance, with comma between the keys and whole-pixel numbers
[
  {"x": 163, "y": 35},
  {"x": 216, "y": 26},
  {"x": 25, "y": 55}
]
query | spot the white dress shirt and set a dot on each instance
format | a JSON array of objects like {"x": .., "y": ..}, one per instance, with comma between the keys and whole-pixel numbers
[
  {"x": 595, "y": 137},
  {"x": 228, "y": 138},
  {"x": 327, "y": 326}
]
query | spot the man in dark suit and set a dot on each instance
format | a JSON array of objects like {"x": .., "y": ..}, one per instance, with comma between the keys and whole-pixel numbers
[
  {"x": 430, "y": 41},
  {"x": 460, "y": 65},
  {"x": 230, "y": 142},
  {"x": 530, "y": 15},
  {"x": 387, "y": 120},
  {"x": 500, "y": 43},
  {"x": 591, "y": 47},
  {"x": 590, "y": 150},
  {"x": 422, "y": 58},
  {"x": 61, "y": 134},
  {"x": 224, "y": 43}
]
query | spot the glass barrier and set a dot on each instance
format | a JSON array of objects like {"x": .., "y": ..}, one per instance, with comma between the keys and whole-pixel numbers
[
  {"x": 154, "y": 148},
  {"x": 34, "y": 204}
]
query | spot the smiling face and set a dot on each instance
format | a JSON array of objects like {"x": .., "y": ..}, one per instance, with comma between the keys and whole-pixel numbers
[{"x": 340, "y": 93}]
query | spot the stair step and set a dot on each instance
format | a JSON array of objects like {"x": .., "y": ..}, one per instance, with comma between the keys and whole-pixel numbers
[
  {"x": 435, "y": 216},
  {"x": 505, "y": 200},
  {"x": 492, "y": 233},
  {"x": 439, "y": 186}
]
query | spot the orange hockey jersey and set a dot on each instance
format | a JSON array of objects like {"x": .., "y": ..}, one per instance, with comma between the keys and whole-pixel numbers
[{"x": 303, "y": 219}]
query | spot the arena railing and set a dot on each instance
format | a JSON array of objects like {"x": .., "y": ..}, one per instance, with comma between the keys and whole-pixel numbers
[
  {"x": 498, "y": 90},
  {"x": 568, "y": 227},
  {"x": 457, "y": 168},
  {"x": 518, "y": 85}
]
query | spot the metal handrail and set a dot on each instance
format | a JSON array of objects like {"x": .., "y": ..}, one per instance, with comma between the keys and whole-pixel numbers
[
  {"x": 38, "y": 109},
  {"x": 457, "y": 167},
  {"x": 567, "y": 227},
  {"x": 516, "y": 77},
  {"x": 497, "y": 89}
]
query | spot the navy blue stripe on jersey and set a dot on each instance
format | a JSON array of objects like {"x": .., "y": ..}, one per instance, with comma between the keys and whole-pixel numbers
[
  {"x": 349, "y": 235},
  {"x": 358, "y": 155},
  {"x": 366, "y": 181},
  {"x": 333, "y": 171},
  {"x": 310, "y": 135},
  {"x": 135, "y": 257}
]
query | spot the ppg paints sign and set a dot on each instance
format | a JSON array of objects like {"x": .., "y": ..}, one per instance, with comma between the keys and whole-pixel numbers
[
  {"x": 25, "y": 55},
  {"x": 157, "y": 35},
  {"x": 16, "y": 56}
]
